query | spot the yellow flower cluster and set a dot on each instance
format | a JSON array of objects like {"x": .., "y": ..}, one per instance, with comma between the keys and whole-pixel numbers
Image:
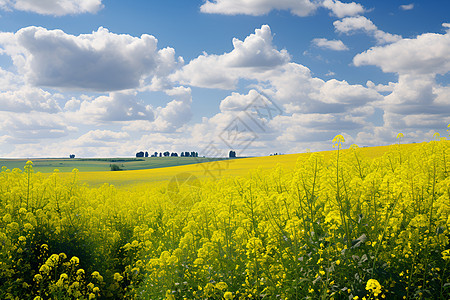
[{"x": 374, "y": 287}]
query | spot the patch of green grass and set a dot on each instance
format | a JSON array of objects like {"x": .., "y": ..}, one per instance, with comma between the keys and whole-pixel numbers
[{"x": 48, "y": 165}]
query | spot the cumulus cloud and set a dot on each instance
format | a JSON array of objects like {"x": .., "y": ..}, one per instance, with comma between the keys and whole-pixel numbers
[
  {"x": 300, "y": 8},
  {"x": 351, "y": 25},
  {"x": 416, "y": 100},
  {"x": 53, "y": 7},
  {"x": 238, "y": 102},
  {"x": 311, "y": 111},
  {"x": 255, "y": 54},
  {"x": 28, "y": 99},
  {"x": 116, "y": 107},
  {"x": 426, "y": 54},
  {"x": 177, "y": 112},
  {"x": 407, "y": 6},
  {"x": 336, "y": 45},
  {"x": 100, "y": 61},
  {"x": 170, "y": 117},
  {"x": 30, "y": 128},
  {"x": 291, "y": 84},
  {"x": 259, "y": 7},
  {"x": 95, "y": 138},
  {"x": 341, "y": 92},
  {"x": 381, "y": 87},
  {"x": 341, "y": 9},
  {"x": 9, "y": 81}
]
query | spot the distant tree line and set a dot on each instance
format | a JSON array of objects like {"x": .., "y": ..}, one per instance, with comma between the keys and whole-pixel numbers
[
  {"x": 167, "y": 154},
  {"x": 231, "y": 154}
]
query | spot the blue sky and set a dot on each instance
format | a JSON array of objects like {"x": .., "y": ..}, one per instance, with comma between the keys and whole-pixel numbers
[{"x": 109, "y": 78}]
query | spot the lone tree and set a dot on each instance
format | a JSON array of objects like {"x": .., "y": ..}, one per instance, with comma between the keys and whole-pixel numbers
[
  {"x": 72, "y": 155},
  {"x": 140, "y": 154},
  {"x": 115, "y": 167},
  {"x": 146, "y": 154},
  {"x": 232, "y": 154}
]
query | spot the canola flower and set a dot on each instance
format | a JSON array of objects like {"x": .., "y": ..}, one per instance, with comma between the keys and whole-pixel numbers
[
  {"x": 334, "y": 226},
  {"x": 374, "y": 287}
]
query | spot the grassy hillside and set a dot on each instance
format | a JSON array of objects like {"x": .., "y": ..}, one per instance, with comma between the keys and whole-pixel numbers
[{"x": 102, "y": 164}]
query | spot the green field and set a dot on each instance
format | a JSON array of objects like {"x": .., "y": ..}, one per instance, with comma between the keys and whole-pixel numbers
[{"x": 48, "y": 165}]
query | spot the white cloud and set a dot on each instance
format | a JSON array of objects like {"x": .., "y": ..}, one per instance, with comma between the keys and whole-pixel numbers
[
  {"x": 291, "y": 84},
  {"x": 257, "y": 7},
  {"x": 381, "y": 87},
  {"x": 255, "y": 54},
  {"x": 31, "y": 128},
  {"x": 407, "y": 6},
  {"x": 426, "y": 54},
  {"x": 94, "y": 143},
  {"x": 238, "y": 102},
  {"x": 100, "y": 61},
  {"x": 314, "y": 110},
  {"x": 176, "y": 113},
  {"x": 336, "y": 45},
  {"x": 351, "y": 25},
  {"x": 170, "y": 117},
  {"x": 416, "y": 101},
  {"x": 95, "y": 138},
  {"x": 28, "y": 99},
  {"x": 341, "y": 9},
  {"x": 116, "y": 107},
  {"x": 294, "y": 87},
  {"x": 9, "y": 81},
  {"x": 300, "y": 8},
  {"x": 341, "y": 92},
  {"x": 53, "y": 7}
]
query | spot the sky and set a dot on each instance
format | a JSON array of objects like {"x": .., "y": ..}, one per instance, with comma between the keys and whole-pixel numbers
[{"x": 99, "y": 78}]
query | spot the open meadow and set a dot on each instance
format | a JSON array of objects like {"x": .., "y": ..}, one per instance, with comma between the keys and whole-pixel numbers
[
  {"x": 48, "y": 165},
  {"x": 360, "y": 223}
]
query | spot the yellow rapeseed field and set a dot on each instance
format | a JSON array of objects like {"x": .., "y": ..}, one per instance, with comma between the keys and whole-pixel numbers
[
  {"x": 218, "y": 169},
  {"x": 361, "y": 223}
]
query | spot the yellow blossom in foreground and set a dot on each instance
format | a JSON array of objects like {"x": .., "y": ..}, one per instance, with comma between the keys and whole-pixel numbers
[
  {"x": 74, "y": 260},
  {"x": 373, "y": 286},
  {"x": 446, "y": 254}
]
